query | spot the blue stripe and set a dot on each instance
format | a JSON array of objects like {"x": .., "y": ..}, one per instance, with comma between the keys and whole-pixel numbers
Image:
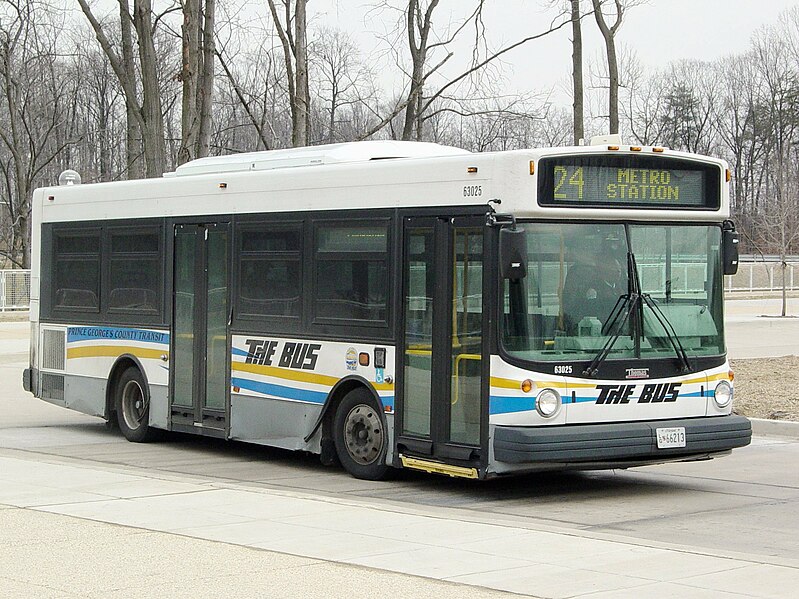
[
  {"x": 281, "y": 391},
  {"x": 239, "y": 352},
  {"x": 506, "y": 405},
  {"x": 115, "y": 334}
]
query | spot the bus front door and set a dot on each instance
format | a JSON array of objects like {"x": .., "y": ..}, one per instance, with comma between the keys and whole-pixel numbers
[
  {"x": 442, "y": 416},
  {"x": 199, "y": 370}
]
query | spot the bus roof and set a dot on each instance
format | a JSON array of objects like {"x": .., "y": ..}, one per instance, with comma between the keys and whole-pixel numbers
[
  {"x": 348, "y": 176},
  {"x": 315, "y": 155}
]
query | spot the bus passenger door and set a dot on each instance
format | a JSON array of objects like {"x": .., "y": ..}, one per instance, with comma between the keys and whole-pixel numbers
[
  {"x": 200, "y": 344},
  {"x": 440, "y": 404}
]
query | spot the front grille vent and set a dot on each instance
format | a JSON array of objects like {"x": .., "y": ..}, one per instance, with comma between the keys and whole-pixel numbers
[{"x": 54, "y": 349}]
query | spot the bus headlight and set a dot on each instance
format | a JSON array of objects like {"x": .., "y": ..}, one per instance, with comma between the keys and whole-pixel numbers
[
  {"x": 547, "y": 403},
  {"x": 723, "y": 394}
]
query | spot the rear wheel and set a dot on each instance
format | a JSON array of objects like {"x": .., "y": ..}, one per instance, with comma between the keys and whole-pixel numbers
[
  {"x": 132, "y": 402},
  {"x": 360, "y": 436}
]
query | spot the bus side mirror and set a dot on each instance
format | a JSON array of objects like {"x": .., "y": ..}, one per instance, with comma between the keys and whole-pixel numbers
[
  {"x": 729, "y": 248},
  {"x": 512, "y": 254}
]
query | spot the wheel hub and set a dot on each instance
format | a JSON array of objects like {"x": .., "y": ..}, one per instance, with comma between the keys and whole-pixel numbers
[{"x": 363, "y": 434}]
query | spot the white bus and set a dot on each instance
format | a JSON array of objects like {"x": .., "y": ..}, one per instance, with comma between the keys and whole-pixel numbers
[{"x": 399, "y": 305}]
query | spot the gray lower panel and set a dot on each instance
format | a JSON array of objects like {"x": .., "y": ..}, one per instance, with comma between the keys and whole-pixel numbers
[
  {"x": 159, "y": 406},
  {"x": 619, "y": 442},
  {"x": 85, "y": 394},
  {"x": 274, "y": 422}
]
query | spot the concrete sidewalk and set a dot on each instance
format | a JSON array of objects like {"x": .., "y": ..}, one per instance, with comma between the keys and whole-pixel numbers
[{"x": 444, "y": 545}]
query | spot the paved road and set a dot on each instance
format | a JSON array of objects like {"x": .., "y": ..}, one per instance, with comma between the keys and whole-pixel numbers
[
  {"x": 727, "y": 527},
  {"x": 755, "y": 328}
]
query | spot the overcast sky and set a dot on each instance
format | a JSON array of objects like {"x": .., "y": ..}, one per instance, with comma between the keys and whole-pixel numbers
[{"x": 658, "y": 32}]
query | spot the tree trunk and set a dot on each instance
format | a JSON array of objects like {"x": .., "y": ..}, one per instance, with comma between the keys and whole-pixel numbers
[
  {"x": 153, "y": 129},
  {"x": 133, "y": 138},
  {"x": 577, "y": 72},
  {"x": 301, "y": 132},
  {"x": 206, "y": 92},
  {"x": 197, "y": 75},
  {"x": 189, "y": 75},
  {"x": 414, "y": 22},
  {"x": 609, "y": 35}
]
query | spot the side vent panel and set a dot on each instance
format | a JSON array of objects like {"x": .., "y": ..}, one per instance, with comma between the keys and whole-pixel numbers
[
  {"x": 52, "y": 386},
  {"x": 54, "y": 349},
  {"x": 53, "y": 352}
]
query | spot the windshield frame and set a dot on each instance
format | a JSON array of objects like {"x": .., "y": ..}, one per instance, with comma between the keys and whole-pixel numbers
[{"x": 666, "y": 363}]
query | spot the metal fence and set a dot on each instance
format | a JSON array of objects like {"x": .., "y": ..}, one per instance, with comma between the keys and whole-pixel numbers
[
  {"x": 763, "y": 276},
  {"x": 15, "y": 290}
]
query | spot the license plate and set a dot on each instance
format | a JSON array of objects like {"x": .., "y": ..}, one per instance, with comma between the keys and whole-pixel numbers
[{"x": 670, "y": 437}]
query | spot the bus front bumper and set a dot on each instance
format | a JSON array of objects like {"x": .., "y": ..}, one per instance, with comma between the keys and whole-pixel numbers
[{"x": 618, "y": 444}]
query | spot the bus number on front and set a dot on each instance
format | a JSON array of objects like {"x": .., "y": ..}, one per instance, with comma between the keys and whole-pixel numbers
[{"x": 472, "y": 191}]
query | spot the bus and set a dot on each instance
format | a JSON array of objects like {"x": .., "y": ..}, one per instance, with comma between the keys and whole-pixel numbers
[{"x": 399, "y": 305}]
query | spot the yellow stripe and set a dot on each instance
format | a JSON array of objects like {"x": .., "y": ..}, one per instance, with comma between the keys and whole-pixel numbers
[
  {"x": 297, "y": 375},
  {"x": 113, "y": 351},
  {"x": 505, "y": 383},
  {"x": 718, "y": 377}
]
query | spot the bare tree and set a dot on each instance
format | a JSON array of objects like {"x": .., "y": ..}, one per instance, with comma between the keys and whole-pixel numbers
[
  {"x": 197, "y": 75},
  {"x": 779, "y": 225},
  {"x": 148, "y": 113},
  {"x": 577, "y": 71},
  {"x": 30, "y": 117},
  {"x": 619, "y": 7},
  {"x": 345, "y": 79},
  {"x": 416, "y": 103},
  {"x": 293, "y": 31}
]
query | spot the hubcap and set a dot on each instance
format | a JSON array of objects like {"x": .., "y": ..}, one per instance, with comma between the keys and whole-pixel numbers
[
  {"x": 133, "y": 404},
  {"x": 363, "y": 434}
]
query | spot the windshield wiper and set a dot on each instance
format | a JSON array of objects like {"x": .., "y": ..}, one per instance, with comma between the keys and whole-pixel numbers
[
  {"x": 671, "y": 333},
  {"x": 627, "y": 304}
]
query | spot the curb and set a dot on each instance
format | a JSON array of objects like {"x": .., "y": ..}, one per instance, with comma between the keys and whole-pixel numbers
[
  {"x": 15, "y": 316},
  {"x": 775, "y": 428}
]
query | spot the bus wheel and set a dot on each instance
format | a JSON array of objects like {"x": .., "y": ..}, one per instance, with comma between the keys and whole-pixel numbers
[
  {"x": 132, "y": 401},
  {"x": 360, "y": 436}
]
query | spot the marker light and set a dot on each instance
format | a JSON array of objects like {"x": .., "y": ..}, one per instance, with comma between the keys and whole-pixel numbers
[
  {"x": 547, "y": 403},
  {"x": 527, "y": 385},
  {"x": 728, "y": 175},
  {"x": 471, "y": 169},
  {"x": 613, "y": 147},
  {"x": 658, "y": 150},
  {"x": 532, "y": 167},
  {"x": 635, "y": 148},
  {"x": 723, "y": 394}
]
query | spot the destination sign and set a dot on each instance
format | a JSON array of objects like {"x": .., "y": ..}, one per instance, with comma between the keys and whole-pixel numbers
[{"x": 597, "y": 181}]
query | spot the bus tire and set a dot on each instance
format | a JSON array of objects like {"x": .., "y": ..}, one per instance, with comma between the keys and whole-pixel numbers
[
  {"x": 132, "y": 404},
  {"x": 360, "y": 436}
]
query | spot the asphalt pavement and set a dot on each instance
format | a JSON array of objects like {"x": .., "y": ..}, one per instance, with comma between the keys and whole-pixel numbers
[{"x": 82, "y": 526}]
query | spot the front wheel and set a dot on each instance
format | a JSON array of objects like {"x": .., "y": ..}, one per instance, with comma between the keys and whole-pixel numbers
[
  {"x": 132, "y": 402},
  {"x": 360, "y": 436}
]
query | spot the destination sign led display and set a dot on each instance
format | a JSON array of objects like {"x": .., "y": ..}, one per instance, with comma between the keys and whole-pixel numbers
[{"x": 623, "y": 181}]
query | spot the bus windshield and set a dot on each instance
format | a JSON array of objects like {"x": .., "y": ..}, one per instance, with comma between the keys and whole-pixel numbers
[{"x": 579, "y": 294}]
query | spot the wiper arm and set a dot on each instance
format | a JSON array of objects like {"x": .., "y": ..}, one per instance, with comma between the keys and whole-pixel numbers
[
  {"x": 627, "y": 304},
  {"x": 671, "y": 333}
]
